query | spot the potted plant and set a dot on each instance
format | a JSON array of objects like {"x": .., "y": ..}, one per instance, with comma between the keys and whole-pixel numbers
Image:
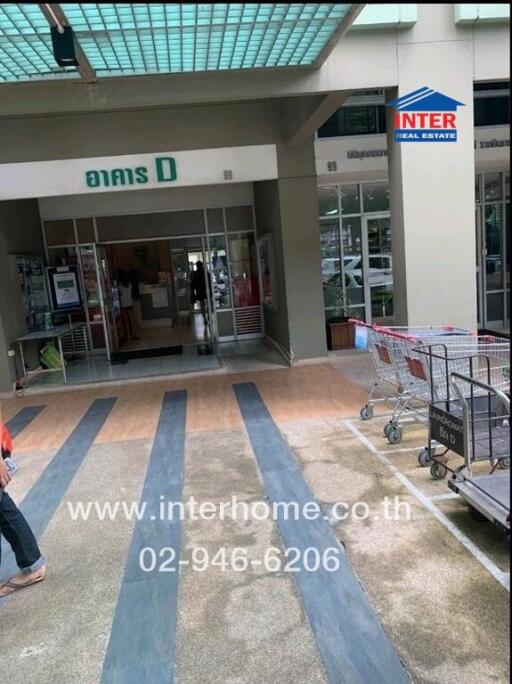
[{"x": 340, "y": 333}]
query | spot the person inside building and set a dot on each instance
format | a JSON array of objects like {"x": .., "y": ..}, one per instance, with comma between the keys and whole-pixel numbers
[
  {"x": 198, "y": 288},
  {"x": 126, "y": 303},
  {"x": 17, "y": 532}
]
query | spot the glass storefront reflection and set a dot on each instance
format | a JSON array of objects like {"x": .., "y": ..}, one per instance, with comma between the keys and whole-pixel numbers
[
  {"x": 244, "y": 269},
  {"x": 330, "y": 256},
  {"x": 220, "y": 272},
  {"x": 494, "y": 247}
]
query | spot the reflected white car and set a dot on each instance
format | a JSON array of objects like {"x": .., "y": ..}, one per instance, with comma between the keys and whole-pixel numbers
[{"x": 380, "y": 273}]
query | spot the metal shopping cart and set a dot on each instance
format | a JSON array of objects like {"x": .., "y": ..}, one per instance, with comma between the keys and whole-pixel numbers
[
  {"x": 388, "y": 347},
  {"x": 476, "y": 424},
  {"x": 484, "y": 359}
]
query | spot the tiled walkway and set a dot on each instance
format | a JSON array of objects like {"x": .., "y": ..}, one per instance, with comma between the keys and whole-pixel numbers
[{"x": 424, "y": 598}]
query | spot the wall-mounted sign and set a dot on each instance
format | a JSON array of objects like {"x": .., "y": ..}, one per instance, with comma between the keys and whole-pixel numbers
[
  {"x": 162, "y": 171},
  {"x": 138, "y": 171},
  {"x": 425, "y": 115},
  {"x": 495, "y": 142},
  {"x": 64, "y": 289}
]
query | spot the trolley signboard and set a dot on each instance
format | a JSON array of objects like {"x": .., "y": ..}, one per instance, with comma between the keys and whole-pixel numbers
[{"x": 447, "y": 429}]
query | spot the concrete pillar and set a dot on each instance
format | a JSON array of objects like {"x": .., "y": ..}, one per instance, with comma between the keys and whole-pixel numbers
[
  {"x": 432, "y": 195},
  {"x": 288, "y": 208},
  {"x": 301, "y": 249}
]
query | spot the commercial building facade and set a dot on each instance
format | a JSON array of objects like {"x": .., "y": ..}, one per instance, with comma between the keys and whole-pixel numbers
[{"x": 228, "y": 166}]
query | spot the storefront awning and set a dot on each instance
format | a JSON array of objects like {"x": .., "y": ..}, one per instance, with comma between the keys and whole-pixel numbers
[{"x": 123, "y": 39}]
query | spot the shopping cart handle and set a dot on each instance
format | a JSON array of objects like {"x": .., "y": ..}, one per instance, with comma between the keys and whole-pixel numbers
[
  {"x": 392, "y": 333},
  {"x": 356, "y": 321}
]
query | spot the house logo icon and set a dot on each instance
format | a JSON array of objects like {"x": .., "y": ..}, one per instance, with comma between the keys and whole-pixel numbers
[{"x": 425, "y": 115}]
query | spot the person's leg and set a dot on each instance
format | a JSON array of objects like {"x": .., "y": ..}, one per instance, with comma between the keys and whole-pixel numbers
[
  {"x": 203, "y": 311},
  {"x": 20, "y": 537}
]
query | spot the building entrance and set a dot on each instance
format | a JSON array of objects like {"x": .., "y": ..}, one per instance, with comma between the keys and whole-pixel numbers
[{"x": 157, "y": 296}]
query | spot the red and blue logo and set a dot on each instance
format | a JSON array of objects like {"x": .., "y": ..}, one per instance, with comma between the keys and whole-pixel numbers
[{"x": 425, "y": 116}]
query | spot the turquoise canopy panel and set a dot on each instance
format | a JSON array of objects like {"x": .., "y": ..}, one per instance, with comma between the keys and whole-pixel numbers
[{"x": 152, "y": 38}]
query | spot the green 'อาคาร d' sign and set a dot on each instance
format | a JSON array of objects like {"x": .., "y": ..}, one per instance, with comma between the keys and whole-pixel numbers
[{"x": 165, "y": 171}]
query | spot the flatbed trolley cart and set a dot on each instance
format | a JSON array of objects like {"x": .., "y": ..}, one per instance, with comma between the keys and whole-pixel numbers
[
  {"x": 484, "y": 359},
  {"x": 484, "y": 434}
]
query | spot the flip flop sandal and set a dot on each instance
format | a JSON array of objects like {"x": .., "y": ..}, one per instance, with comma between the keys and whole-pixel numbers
[{"x": 16, "y": 587}]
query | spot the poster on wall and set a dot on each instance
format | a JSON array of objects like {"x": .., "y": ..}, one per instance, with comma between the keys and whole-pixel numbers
[
  {"x": 267, "y": 271},
  {"x": 64, "y": 288}
]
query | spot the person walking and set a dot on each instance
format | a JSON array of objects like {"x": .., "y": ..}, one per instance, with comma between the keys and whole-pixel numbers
[
  {"x": 16, "y": 531},
  {"x": 126, "y": 303},
  {"x": 198, "y": 287}
]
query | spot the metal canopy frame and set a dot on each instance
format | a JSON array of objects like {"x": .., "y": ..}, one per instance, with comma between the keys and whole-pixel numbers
[{"x": 114, "y": 39}]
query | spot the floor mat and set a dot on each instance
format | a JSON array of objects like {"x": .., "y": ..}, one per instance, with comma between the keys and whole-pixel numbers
[{"x": 124, "y": 356}]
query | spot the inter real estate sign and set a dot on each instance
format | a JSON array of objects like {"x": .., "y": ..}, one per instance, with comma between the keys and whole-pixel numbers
[{"x": 425, "y": 115}]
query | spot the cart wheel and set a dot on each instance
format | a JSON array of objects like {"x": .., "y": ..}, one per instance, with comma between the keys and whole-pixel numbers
[
  {"x": 438, "y": 471},
  {"x": 387, "y": 428},
  {"x": 394, "y": 434},
  {"x": 366, "y": 412},
  {"x": 424, "y": 458},
  {"x": 475, "y": 514},
  {"x": 504, "y": 463}
]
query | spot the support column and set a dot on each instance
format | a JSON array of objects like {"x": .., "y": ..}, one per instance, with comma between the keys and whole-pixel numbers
[
  {"x": 288, "y": 208},
  {"x": 432, "y": 196}
]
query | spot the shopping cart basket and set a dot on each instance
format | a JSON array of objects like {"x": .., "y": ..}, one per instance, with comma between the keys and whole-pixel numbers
[
  {"x": 484, "y": 359},
  {"x": 394, "y": 380}
]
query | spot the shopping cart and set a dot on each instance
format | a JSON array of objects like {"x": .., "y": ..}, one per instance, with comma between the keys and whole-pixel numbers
[
  {"x": 388, "y": 347},
  {"x": 476, "y": 424},
  {"x": 484, "y": 359}
]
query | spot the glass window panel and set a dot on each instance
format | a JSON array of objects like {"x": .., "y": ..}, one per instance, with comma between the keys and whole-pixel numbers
[
  {"x": 354, "y": 120},
  {"x": 494, "y": 246},
  {"x": 59, "y": 232},
  {"x": 225, "y": 324},
  {"x": 244, "y": 269},
  {"x": 62, "y": 256},
  {"x": 509, "y": 244},
  {"x": 507, "y": 186},
  {"x": 492, "y": 111},
  {"x": 380, "y": 274},
  {"x": 328, "y": 201},
  {"x": 220, "y": 272},
  {"x": 352, "y": 260},
  {"x": 239, "y": 218},
  {"x": 92, "y": 295},
  {"x": 495, "y": 307},
  {"x": 215, "y": 220},
  {"x": 492, "y": 187},
  {"x": 85, "y": 230},
  {"x": 375, "y": 196},
  {"x": 478, "y": 197},
  {"x": 330, "y": 259},
  {"x": 350, "y": 199}
]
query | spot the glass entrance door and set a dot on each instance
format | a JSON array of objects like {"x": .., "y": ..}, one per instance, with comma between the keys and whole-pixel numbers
[
  {"x": 109, "y": 299},
  {"x": 378, "y": 269},
  {"x": 492, "y": 251},
  {"x": 185, "y": 254}
]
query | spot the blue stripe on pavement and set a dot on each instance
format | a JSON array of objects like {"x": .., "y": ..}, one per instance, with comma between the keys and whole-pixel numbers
[
  {"x": 43, "y": 499},
  {"x": 20, "y": 421},
  {"x": 143, "y": 637},
  {"x": 349, "y": 636}
]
